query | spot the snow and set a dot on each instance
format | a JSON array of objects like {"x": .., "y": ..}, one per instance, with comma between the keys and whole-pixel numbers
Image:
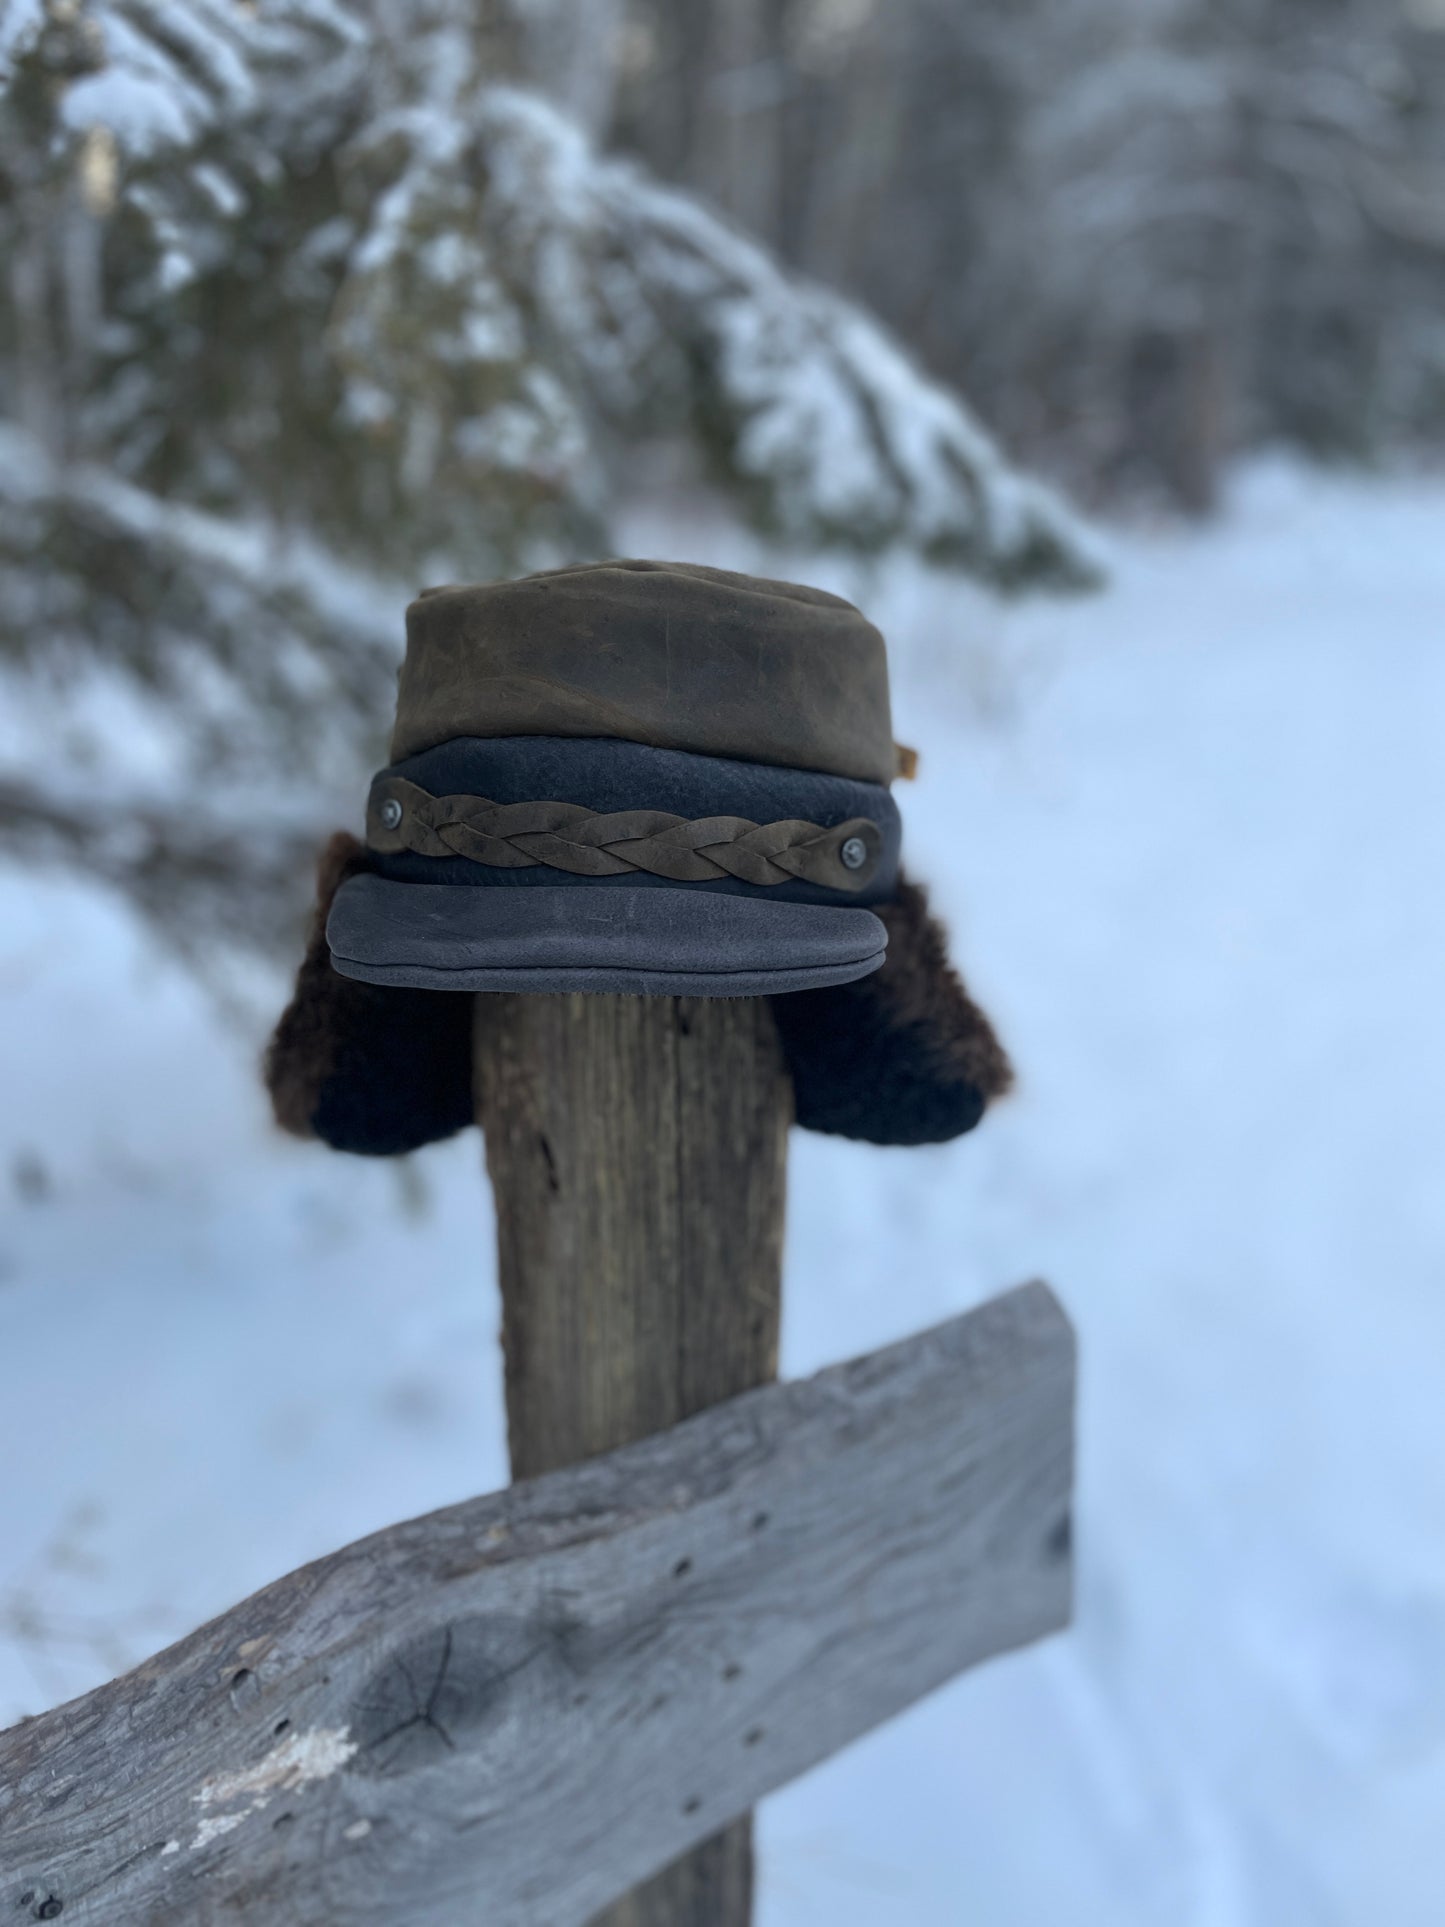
[
  {"x": 299, "y": 1759},
  {"x": 1189, "y": 835}
]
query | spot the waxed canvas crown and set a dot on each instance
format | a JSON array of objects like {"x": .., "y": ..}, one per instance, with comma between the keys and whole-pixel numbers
[{"x": 673, "y": 655}]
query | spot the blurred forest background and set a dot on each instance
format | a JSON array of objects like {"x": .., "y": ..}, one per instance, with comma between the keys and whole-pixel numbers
[
  {"x": 1141, "y": 235},
  {"x": 313, "y": 301}
]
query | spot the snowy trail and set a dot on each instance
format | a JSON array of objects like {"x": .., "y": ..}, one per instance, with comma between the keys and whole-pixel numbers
[
  {"x": 1191, "y": 838},
  {"x": 1199, "y": 879}
]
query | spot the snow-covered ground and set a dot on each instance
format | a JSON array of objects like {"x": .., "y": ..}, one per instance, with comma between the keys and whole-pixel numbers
[{"x": 1191, "y": 837}]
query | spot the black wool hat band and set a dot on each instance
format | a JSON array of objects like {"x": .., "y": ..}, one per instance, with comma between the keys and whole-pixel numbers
[
  {"x": 535, "y": 811},
  {"x": 597, "y": 843},
  {"x": 615, "y": 866}
]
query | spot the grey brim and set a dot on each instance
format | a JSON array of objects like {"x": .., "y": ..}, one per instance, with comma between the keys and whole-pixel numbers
[{"x": 648, "y": 942}]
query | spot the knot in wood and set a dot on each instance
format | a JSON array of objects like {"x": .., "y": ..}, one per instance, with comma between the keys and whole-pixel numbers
[{"x": 431, "y": 1695}]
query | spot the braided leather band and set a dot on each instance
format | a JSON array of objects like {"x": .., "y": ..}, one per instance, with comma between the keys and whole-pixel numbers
[{"x": 567, "y": 836}]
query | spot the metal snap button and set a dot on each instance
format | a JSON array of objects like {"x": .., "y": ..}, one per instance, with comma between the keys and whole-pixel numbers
[
  {"x": 853, "y": 853},
  {"x": 390, "y": 813}
]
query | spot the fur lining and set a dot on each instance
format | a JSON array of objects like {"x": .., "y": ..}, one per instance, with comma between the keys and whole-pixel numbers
[
  {"x": 903, "y": 1056},
  {"x": 362, "y": 1067},
  {"x": 900, "y": 1057}
]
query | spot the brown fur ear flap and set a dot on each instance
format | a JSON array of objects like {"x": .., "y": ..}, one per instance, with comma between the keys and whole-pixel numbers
[
  {"x": 360, "y": 1066},
  {"x": 903, "y": 1056}
]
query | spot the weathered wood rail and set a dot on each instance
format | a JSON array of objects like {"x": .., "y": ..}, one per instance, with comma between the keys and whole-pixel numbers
[{"x": 513, "y": 1710}]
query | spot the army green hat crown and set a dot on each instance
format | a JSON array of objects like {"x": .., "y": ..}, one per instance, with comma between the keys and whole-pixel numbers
[
  {"x": 672, "y": 655},
  {"x": 629, "y": 776}
]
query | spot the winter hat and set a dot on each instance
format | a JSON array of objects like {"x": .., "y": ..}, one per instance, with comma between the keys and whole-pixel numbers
[
  {"x": 643, "y": 777},
  {"x": 632, "y": 776}
]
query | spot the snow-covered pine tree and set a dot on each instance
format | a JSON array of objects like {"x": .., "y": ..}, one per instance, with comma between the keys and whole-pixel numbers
[{"x": 309, "y": 306}]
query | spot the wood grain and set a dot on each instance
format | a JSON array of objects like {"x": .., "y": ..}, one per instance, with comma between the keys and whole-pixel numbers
[
  {"x": 638, "y": 1153},
  {"x": 516, "y": 1709}
]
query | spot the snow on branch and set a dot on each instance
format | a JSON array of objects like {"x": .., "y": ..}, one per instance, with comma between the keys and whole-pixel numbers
[
  {"x": 807, "y": 406},
  {"x": 308, "y": 310},
  {"x": 477, "y": 306}
]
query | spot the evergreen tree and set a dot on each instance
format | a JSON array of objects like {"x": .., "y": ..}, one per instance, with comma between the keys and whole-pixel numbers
[{"x": 309, "y": 307}]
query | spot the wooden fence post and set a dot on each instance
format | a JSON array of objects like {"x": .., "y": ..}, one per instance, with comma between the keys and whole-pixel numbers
[{"x": 638, "y": 1154}]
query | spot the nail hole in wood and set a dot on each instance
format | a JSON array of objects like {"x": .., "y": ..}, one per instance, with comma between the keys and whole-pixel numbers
[
  {"x": 280, "y": 1727},
  {"x": 244, "y": 1686},
  {"x": 545, "y": 1144},
  {"x": 682, "y": 1569}
]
